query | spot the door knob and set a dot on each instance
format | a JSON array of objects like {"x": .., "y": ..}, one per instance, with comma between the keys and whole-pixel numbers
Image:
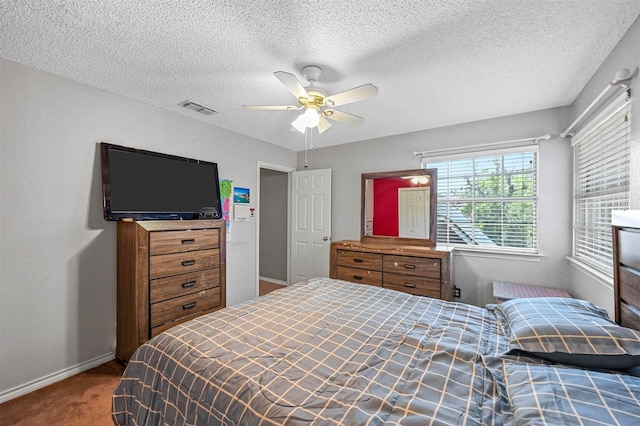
[{"x": 325, "y": 239}]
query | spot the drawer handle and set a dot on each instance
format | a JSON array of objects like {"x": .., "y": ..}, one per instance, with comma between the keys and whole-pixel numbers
[
  {"x": 407, "y": 266},
  {"x": 188, "y": 262},
  {"x": 189, "y": 305},
  {"x": 188, "y": 284},
  {"x": 356, "y": 260},
  {"x": 409, "y": 285},
  {"x": 189, "y": 241},
  {"x": 358, "y": 277}
]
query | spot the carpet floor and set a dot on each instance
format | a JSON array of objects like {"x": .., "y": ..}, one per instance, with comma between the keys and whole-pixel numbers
[
  {"x": 80, "y": 400},
  {"x": 267, "y": 287}
]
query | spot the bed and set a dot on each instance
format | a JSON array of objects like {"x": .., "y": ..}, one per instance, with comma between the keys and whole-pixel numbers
[{"x": 326, "y": 351}]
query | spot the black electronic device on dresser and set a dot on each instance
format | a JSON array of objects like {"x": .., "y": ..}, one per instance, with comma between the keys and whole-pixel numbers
[{"x": 146, "y": 185}]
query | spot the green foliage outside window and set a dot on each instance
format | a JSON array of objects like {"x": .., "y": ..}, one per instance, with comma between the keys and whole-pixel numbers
[{"x": 488, "y": 201}]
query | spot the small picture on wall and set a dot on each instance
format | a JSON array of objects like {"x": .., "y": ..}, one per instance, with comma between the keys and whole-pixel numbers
[{"x": 241, "y": 195}]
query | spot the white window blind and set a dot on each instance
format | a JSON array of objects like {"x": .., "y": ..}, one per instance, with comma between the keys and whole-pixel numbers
[
  {"x": 601, "y": 183},
  {"x": 488, "y": 199}
]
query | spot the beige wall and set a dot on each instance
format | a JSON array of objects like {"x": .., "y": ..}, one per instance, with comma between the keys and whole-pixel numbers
[
  {"x": 57, "y": 254},
  {"x": 473, "y": 273},
  {"x": 584, "y": 284},
  {"x": 625, "y": 55},
  {"x": 58, "y": 268}
]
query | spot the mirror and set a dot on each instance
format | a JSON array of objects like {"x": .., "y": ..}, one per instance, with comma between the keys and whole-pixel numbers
[{"x": 399, "y": 207}]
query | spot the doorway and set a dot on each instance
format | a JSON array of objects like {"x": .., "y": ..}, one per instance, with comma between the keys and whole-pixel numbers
[{"x": 273, "y": 225}]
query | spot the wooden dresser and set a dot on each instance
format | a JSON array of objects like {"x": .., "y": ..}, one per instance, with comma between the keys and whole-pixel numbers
[
  {"x": 169, "y": 271},
  {"x": 626, "y": 267},
  {"x": 424, "y": 271}
]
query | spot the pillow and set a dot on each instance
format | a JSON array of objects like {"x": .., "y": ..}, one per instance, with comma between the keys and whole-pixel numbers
[
  {"x": 555, "y": 395},
  {"x": 568, "y": 331}
]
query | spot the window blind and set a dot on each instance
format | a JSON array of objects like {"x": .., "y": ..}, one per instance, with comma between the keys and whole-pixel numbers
[
  {"x": 488, "y": 199},
  {"x": 601, "y": 183}
]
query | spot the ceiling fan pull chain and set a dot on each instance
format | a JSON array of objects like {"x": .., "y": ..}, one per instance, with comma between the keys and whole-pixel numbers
[{"x": 306, "y": 131}]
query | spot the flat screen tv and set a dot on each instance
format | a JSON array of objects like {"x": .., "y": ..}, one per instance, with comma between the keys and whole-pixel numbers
[{"x": 146, "y": 185}]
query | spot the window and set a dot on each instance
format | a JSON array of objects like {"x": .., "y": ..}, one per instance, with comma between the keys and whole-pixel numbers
[
  {"x": 601, "y": 157},
  {"x": 488, "y": 199}
]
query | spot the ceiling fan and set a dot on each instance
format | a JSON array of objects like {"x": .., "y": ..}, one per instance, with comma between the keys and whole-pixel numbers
[{"x": 318, "y": 107}]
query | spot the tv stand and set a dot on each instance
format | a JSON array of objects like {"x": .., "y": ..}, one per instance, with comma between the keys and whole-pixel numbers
[{"x": 169, "y": 271}]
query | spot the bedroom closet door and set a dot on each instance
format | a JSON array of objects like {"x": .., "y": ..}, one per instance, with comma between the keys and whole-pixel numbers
[{"x": 311, "y": 224}]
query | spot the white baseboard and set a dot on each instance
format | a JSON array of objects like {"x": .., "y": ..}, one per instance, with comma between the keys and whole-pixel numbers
[
  {"x": 273, "y": 280},
  {"x": 54, "y": 377}
]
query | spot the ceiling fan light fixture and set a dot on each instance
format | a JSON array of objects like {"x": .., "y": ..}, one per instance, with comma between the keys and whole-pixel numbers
[
  {"x": 309, "y": 118},
  {"x": 299, "y": 124},
  {"x": 313, "y": 99}
]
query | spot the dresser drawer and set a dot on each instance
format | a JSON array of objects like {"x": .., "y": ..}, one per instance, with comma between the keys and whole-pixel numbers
[
  {"x": 420, "y": 266},
  {"x": 363, "y": 276},
  {"x": 356, "y": 259},
  {"x": 174, "y": 309},
  {"x": 169, "y": 271},
  {"x": 179, "y": 285},
  {"x": 630, "y": 286},
  {"x": 181, "y": 241},
  {"x": 179, "y": 263},
  {"x": 629, "y": 243},
  {"x": 412, "y": 284},
  {"x": 163, "y": 327}
]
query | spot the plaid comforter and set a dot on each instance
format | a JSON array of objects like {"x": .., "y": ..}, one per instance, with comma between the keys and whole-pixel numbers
[{"x": 322, "y": 352}]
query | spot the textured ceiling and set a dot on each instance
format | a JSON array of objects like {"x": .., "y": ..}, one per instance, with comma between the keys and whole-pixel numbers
[{"x": 435, "y": 63}]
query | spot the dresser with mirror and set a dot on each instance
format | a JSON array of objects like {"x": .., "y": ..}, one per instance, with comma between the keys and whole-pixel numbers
[{"x": 398, "y": 234}]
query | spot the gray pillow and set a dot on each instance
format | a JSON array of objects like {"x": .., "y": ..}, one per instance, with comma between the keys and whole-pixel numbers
[
  {"x": 561, "y": 395},
  {"x": 568, "y": 331}
]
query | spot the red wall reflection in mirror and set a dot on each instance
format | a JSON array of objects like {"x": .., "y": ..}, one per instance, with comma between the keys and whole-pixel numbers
[{"x": 385, "y": 205}]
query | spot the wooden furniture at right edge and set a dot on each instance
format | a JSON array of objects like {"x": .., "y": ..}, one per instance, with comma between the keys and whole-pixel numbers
[
  {"x": 424, "y": 271},
  {"x": 626, "y": 267}
]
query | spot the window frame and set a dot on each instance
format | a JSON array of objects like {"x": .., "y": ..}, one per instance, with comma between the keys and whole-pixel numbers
[
  {"x": 427, "y": 162},
  {"x": 599, "y": 260}
]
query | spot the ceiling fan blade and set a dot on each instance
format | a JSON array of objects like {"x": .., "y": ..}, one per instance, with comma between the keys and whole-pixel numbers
[
  {"x": 291, "y": 82},
  {"x": 271, "y": 107},
  {"x": 353, "y": 95},
  {"x": 342, "y": 117},
  {"x": 323, "y": 124}
]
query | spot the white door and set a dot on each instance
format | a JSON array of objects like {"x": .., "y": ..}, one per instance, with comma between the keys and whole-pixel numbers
[
  {"x": 413, "y": 213},
  {"x": 311, "y": 224}
]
